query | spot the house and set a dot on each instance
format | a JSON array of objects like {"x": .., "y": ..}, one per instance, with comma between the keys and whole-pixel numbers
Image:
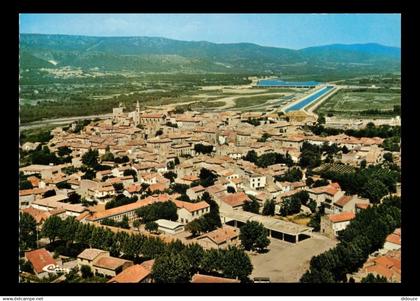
[
  {"x": 326, "y": 195},
  {"x": 133, "y": 274},
  {"x": 234, "y": 200},
  {"x": 55, "y": 202},
  {"x": 332, "y": 224},
  {"x": 110, "y": 266},
  {"x": 39, "y": 215},
  {"x": 187, "y": 179},
  {"x": 256, "y": 181},
  {"x": 189, "y": 211},
  {"x": 40, "y": 259},
  {"x": 348, "y": 203},
  {"x": 88, "y": 256},
  {"x": 200, "y": 278},
  {"x": 387, "y": 265},
  {"x": 158, "y": 187},
  {"x": 195, "y": 192},
  {"x": 169, "y": 227},
  {"x": 393, "y": 241},
  {"x": 220, "y": 238}
]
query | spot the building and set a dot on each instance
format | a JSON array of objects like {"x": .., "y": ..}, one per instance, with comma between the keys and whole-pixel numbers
[
  {"x": 195, "y": 192},
  {"x": 234, "y": 200},
  {"x": 200, "y": 278},
  {"x": 189, "y": 211},
  {"x": 256, "y": 181},
  {"x": 40, "y": 259},
  {"x": 169, "y": 227},
  {"x": 332, "y": 224},
  {"x": 393, "y": 241},
  {"x": 88, "y": 256},
  {"x": 220, "y": 238},
  {"x": 110, "y": 266},
  {"x": 133, "y": 274},
  {"x": 348, "y": 203}
]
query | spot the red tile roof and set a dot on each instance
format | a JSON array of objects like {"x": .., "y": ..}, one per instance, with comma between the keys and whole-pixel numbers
[
  {"x": 235, "y": 199},
  {"x": 394, "y": 238},
  {"x": 199, "y": 278},
  {"x": 341, "y": 217},
  {"x": 39, "y": 259},
  {"x": 221, "y": 235},
  {"x": 344, "y": 200},
  {"x": 110, "y": 263},
  {"x": 132, "y": 274},
  {"x": 191, "y": 207}
]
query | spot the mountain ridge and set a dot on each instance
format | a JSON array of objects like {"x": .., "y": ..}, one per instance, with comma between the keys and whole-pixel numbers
[{"x": 133, "y": 53}]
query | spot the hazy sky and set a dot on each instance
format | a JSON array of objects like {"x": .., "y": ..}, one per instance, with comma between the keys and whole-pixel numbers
[{"x": 280, "y": 30}]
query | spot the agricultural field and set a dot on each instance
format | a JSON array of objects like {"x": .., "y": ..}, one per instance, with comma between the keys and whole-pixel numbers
[{"x": 361, "y": 103}]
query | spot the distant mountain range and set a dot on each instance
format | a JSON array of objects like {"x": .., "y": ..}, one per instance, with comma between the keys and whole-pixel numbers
[{"x": 154, "y": 54}]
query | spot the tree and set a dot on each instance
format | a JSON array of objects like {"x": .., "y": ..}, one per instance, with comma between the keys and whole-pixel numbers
[
  {"x": 172, "y": 268},
  {"x": 136, "y": 224},
  {"x": 51, "y": 228},
  {"x": 236, "y": 264},
  {"x": 195, "y": 227},
  {"x": 158, "y": 133},
  {"x": 89, "y": 174},
  {"x": 230, "y": 189},
  {"x": 291, "y": 175},
  {"x": 108, "y": 156},
  {"x": 320, "y": 182},
  {"x": 363, "y": 163},
  {"x": 251, "y": 156},
  {"x": 151, "y": 226},
  {"x": 203, "y": 149},
  {"x": 130, "y": 172},
  {"x": 86, "y": 271},
  {"x": 25, "y": 184},
  {"x": 27, "y": 231},
  {"x": 253, "y": 236},
  {"x": 321, "y": 119},
  {"x": 374, "y": 190},
  {"x": 312, "y": 205},
  {"x": 124, "y": 223},
  {"x": 160, "y": 210},
  {"x": 207, "y": 178},
  {"x": 315, "y": 222},
  {"x": 170, "y": 175},
  {"x": 269, "y": 207},
  {"x": 90, "y": 158},
  {"x": 195, "y": 254},
  {"x": 290, "y": 206},
  {"x": 49, "y": 193},
  {"x": 309, "y": 181},
  {"x": 74, "y": 198},
  {"x": 251, "y": 206},
  {"x": 370, "y": 278},
  {"x": 118, "y": 186},
  {"x": 64, "y": 151},
  {"x": 388, "y": 157}
]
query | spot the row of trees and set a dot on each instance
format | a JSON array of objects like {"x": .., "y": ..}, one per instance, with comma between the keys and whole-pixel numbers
[
  {"x": 158, "y": 210},
  {"x": 373, "y": 182},
  {"x": 175, "y": 262},
  {"x": 382, "y": 131},
  {"x": 268, "y": 159},
  {"x": 120, "y": 200},
  {"x": 365, "y": 235}
]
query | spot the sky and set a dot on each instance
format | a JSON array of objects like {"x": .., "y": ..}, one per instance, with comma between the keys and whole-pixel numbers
[{"x": 294, "y": 31}]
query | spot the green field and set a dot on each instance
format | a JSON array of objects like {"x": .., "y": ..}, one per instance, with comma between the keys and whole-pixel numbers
[
  {"x": 244, "y": 102},
  {"x": 355, "y": 103}
]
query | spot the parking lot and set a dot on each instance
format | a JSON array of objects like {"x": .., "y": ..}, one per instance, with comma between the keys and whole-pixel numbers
[{"x": 287, "y": 262}]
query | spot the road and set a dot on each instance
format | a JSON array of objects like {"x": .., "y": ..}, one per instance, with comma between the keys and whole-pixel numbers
[{"x": 58, "y": 121}]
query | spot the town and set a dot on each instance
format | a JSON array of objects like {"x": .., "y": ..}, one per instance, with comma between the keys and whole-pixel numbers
[{"x": 172, "y": 195}]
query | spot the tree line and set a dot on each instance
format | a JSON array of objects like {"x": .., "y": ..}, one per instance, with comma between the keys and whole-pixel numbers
[
  {"x": 175, "y": 262},
  {"x": 363, "y": 236}
]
